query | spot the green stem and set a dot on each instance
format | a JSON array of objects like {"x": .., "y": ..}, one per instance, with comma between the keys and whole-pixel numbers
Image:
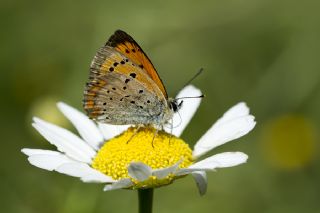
[{"x": 145, "y": 200}]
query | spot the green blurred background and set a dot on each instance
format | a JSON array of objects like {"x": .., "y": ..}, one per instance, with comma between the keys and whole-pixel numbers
[{"x": 265, "y": 53}]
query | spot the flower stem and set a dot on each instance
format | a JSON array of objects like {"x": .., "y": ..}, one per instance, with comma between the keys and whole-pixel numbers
[{"x": 145, "y": 200}]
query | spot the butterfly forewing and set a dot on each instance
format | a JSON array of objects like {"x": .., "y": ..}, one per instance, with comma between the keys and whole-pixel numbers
[{"x": 120, "y": 92}]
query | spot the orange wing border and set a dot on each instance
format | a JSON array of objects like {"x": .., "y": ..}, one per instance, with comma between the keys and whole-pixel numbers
[{"x": 127, "y": 46}]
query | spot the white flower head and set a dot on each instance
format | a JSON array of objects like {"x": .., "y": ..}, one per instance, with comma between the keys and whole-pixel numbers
[{"x": 141, "y": 161}]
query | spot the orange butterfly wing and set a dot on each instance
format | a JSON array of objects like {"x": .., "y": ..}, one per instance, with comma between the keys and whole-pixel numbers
[{"x": 126, "y": 45}]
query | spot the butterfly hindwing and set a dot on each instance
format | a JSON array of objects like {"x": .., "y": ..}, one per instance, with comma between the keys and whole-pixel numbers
[{"x": 126, "y": 45}]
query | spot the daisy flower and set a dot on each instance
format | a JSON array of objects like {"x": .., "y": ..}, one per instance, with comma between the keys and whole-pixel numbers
[{"x": 109, "y": 154}]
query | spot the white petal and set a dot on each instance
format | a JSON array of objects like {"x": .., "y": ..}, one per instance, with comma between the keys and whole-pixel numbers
[
  {"x": 235, "y": 123},
  {"x": 123, "y": 183},
  {"x": 162, "y": 173},
  {"x": 30, "y": 152},
  {"x": 74, "y": 169},
  {"x": 110, "y": 131},
  {"x": 84, "y": 171},
  {"x": 65, "y": 141},
  {"x": 52, "y": 160},
  {"x": 226, "y": 159},
  {"x": 86, "y": 127},
  {"x": 222, "y": 160},
  {"x": 182, "y": 118},
  {"x": 238, "y": 110},
  {"x": 139, "y": 171},
  {"x": 97, "y": 177},
  {"x": 46, "y": 159},
  {"x": 201, "y": 180}
]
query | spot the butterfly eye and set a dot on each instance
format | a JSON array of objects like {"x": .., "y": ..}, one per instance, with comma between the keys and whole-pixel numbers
[{"x": 175, "y": 106}]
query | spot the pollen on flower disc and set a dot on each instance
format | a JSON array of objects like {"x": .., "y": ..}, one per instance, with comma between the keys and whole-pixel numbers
[{"x": 163, "y": 151}]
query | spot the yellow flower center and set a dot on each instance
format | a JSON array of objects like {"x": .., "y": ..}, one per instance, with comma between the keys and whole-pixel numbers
[{"x": 157, "y": 151}]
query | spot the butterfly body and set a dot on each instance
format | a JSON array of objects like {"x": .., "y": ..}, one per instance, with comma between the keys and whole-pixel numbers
[{"x": 124, "y": 87}]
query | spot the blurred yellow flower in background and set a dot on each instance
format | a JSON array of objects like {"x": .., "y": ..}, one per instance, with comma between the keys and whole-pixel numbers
[{"x": 289, "y": 141}]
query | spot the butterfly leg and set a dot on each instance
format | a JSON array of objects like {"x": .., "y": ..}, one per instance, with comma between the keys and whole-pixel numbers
[
  {"x": 154, "y": 136},
  {"x": 171, "y": 130},
  {"x": 134, "y": 133}
]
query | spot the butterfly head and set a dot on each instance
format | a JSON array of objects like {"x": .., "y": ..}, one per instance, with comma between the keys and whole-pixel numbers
[{"x": 175, "y": 105}]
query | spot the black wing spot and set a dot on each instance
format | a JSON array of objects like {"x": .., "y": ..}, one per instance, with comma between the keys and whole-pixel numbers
[
  {"x": 107, "y": 118},
  {"x": 111, "y": 69},
  {"x": 127, "y": 51},
  {"x": 104, "y": 103},
  {"x": 127, "y": 80},
  {"x": 115, "y": 64},
  {"x": 121, "y": 99},
  {"x": 124, "y": 88},
  {"x": 127, "y": 60},
  {"x": 133, "y": 102},
  {"x": 148, "y": 101},
  {"x": 141, "y": 107},
  {"x": 141, "y": 66},
  {"x": 110, "y": 99},
  {"x": 127, "y": 96},
  {"x": 113, "y": 88},
  {"x": 108, "y": 91},
  {"x": 133, "y": 50},
  {"x": 122, "y": 62},
  {"x": 140, "y": 91},
  {"x": 133, "y": 75}
]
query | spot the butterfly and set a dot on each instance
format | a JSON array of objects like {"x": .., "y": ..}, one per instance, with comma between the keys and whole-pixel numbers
[{"x": 125, "y": 88}]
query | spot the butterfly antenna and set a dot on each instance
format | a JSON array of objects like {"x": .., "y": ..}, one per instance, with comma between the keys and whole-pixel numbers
[
  {"x": 195, "y": 76},
  {"x": 200, "y": 96}
]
